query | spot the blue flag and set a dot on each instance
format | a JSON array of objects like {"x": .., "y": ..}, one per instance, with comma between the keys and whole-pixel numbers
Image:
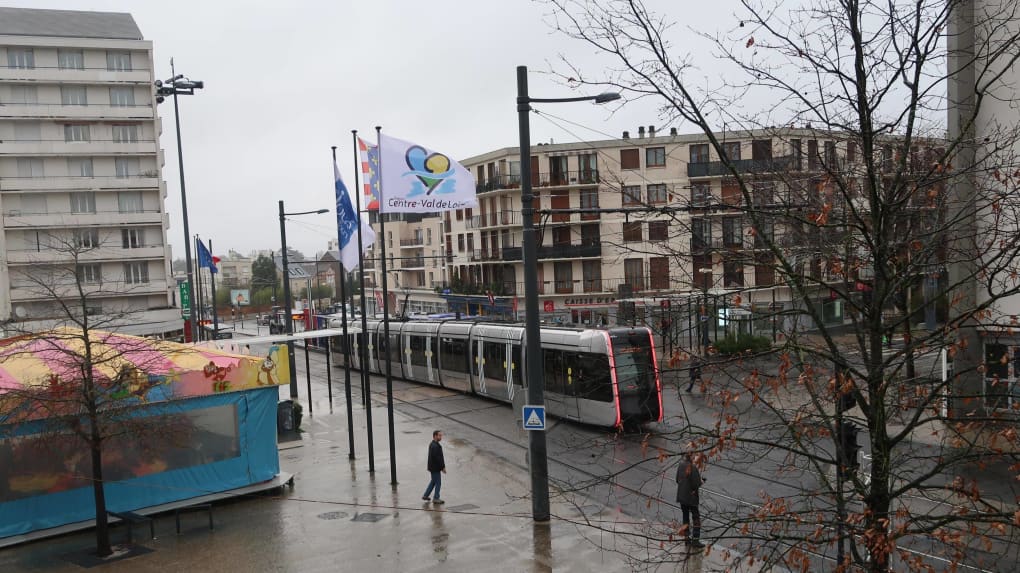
[
  {"x": 348, "y": 224},
  {"x": 205, "y": 258}
]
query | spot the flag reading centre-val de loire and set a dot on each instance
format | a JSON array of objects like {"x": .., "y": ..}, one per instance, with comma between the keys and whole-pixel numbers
[{"x": 415, "y": 179}]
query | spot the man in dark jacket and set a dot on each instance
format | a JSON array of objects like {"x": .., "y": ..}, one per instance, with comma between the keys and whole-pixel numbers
[
  {"x": 688, "y": 482},
  {"x": 436, "y": 467},
  {"x": 695, "y": 372}
]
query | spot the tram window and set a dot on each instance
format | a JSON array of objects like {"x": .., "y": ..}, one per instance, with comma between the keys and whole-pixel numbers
[
  {"x": 476, "y": 363},
  {"x": 454, "y": 354},
  {"x": 417, "y": 344},
  {"x": 495, "y": 360},
  {"x": 553, "y": 360},
  {"x": 374, "y": 342},
  {"x": 593, "y": 379},
  {"x": 569, "y": 374},
  {"x": 396, "y": 352},
  {"x": 515, "y": 363}
]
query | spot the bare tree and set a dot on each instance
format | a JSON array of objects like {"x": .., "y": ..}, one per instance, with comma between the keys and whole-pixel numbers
[
  {"x": 857, "y": 201},
  {"x": 87, "y": 402}
]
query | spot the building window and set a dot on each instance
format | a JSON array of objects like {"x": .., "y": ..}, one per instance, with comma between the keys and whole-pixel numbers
[
  {"x": 658, "y": 273},
  {"x": 658, "y": 230},
  {"x": 701, "y": 194},
  {"x": 657, "y": 193},
  {"x": 812, "y": 154},
  {"x": 587, "y": 165},
  {"x": 701, "y": 234},
  {"x": 558, "y": 170},
  {"x": 631, "y": 194},
  {"x": 590, "y": 235},
  {"x": 633, "y": 273},
  {"x": 460, "y": 214},
  {"x": 699, "y": 153},
  {"x": 732, "y": 231},
  {"x": 733, "y": 274},
  {"x": 90, "y": 273},
  {"x": 76, "y": 132},
  {"x": 86, "y": 238},
  {"x": 632, "y": 231},
  {"x": 27, "y": 131},
  {"x": 125, "y": 133},
  {"x": 763, "y": 193},
  {"x": 132, "y": 238},
  {"x": 830, "y": 155},
  {"x": 731, "y": 149},
  {"x": 630, "y": 159},
  {"x": 118, "y": 61},
  {"x": 136, "y": 273},
  {"x": 764, "y": 234},
  {"x": 561, "y": 236},
  {"x": 564, "y": 275},
  {"x": 70, "y": 60},
  {"x": 471, "y": 242},
  {"x": 21, "y": 58},
  {"x": 126, "y": 167},
  {"x": 24, "y": 94},
  {"x": 761, "y": 149},
  {"x": 83, "y": 202},
  {"x": 655, "y": 157},
  {"x": 592, "y": 276},
  {"x": 122, "y": 97},
  {"x": 79, "y": 167},
  {"x": 30, "y": 167},
  {"x": 589, "y": 200},
  {"x": 460, "y": 243},
  {"x": 129, "y": 201},
  {"x": 764, "y": 270},
  {"x": 73, "y": 95},
  {"x": 798, "y": 154},
  {"x": 428, "y": 236}
]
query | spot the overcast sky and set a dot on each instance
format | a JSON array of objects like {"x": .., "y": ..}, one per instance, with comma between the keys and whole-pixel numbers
[{"x": 286, "y": 80}]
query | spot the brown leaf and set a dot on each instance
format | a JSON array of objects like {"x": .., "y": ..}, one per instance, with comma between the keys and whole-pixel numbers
[{"x": 750, "y": 42}]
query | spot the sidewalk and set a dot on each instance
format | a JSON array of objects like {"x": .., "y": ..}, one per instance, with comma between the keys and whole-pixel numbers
[{"x": 341, "y": 517}]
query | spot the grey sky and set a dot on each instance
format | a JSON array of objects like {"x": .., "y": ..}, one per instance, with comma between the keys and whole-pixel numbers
[{"x": 286, "y": 80}]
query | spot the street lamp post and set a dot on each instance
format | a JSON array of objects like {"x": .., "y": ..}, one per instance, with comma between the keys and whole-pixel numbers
[
  {"x": 180, "y": 85},
  {"x": 532, "y": 331},
  {"x": 288, "y": 305},
  {"x": 703, "y": 319}
]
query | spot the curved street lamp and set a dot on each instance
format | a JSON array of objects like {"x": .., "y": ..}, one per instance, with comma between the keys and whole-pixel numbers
[
  {"x": 529, "y": 257},
  {"x": 288, "y": 307}
]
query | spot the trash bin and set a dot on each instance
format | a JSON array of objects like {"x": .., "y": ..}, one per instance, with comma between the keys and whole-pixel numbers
[{"x": 285, "y": 416}]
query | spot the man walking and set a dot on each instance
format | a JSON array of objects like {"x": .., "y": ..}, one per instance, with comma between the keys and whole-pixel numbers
[
  {"x": 688, "y": 482},
  {"x": 695, "y": 369},
  {"x": 436, "y": 467}
]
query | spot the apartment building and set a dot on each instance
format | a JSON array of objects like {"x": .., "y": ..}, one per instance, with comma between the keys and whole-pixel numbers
[
  {"x": 81, "y": 193},
  {"x": 633, "y": 226}
]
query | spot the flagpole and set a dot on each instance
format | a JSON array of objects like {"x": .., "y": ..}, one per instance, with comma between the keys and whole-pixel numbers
[
  {"x": 366, "y": 379},
  {"x": 212, "y": 285},
  {"x": 347, "y": 341},
  {"x": 201, "y": 303},
  {"x": 386, "y": 317}
]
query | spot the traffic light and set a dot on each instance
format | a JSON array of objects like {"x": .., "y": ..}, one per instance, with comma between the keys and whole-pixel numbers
[{"x": 847, "y": 448}]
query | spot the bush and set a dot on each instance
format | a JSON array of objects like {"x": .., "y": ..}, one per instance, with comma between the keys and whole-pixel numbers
[{"x": 743, "y": 343}]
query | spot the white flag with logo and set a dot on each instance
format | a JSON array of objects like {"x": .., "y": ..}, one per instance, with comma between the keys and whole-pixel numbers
[{"x": 415, "y": 179}]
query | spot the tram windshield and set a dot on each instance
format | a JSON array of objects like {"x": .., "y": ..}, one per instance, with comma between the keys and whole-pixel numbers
[{"x": 633, "y": 355}]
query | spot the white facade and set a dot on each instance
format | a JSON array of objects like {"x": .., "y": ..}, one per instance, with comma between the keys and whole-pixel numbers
[{"x": 80, "y": 170}]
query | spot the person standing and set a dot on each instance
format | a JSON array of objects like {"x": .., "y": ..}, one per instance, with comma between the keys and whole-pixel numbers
[
  {"x": 436, "y": 468},
  {"x": 695, "y": 372},
  {"x": 688, "y": 482}
]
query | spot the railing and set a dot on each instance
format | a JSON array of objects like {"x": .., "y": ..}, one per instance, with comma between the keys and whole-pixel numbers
[
  {"x": 510, "y": 218},
  {"x": 556, "y": 252},
  {"x": 415, "y": 263},
  {"x": 20, "y": 213},
  {"x": 418, "y": 242},
  {"x": 718, "y": 168},
  {"x": 498, "y": 182}
]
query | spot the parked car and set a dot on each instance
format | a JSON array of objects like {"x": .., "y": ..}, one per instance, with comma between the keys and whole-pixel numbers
[{"x": 263, "y": 319}]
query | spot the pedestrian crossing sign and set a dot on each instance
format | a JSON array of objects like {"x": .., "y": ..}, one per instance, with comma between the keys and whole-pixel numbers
[{"x": 534, "y": 417}]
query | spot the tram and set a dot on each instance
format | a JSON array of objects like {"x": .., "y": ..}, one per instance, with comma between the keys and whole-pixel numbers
[{"x": 602, "y": 377}]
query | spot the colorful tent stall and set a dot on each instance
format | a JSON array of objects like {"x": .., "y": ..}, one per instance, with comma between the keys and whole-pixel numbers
[{"x": 181, "y": 422}]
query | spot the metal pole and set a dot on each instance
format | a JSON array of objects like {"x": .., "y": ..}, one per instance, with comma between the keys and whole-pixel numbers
[
  {"x": 386, "y": 335},
  {"x": 346, "y": 345},
  {"x": 287, "y": 306},
  {"x": 201, "y": 300},
  {"x": 533, "y": 345},
  {"x": 329, "y": 376},
  {"x": 366, "y": 379},
  {"x": 308, "y": 378},
  {"x": 184, "y": 213},
  {"x": 212, "y": 285}
]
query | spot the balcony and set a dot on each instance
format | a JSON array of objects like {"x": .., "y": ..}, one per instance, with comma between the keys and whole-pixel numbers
[
  {"x": 69, "y": 76},
  {"x": 564, "y": 179},
  {"x": 502, "y": 218},
  {"x": 556, "y": 252},
  {"x": 13, "y": 219},
  {"x": 58, "y": 112},
  {"x": 416, "y": 263},
  {"x": 412, "y": 243},
  {"x": 147, "y": 180},
  {"x": 106, "y": 289},
  {"x": 49, "y": 255},
  {"x": 746, "y": 166},
  {"x": 91, "y": 147}
]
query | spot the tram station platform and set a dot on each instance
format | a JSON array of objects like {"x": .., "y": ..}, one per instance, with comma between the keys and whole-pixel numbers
[{"x": 339, "y": 516}]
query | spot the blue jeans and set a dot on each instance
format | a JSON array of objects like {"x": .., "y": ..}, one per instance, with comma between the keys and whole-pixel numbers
[{"x": 436, "y": 482}]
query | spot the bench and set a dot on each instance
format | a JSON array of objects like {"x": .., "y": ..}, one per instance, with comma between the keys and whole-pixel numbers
[
  {"x": 131, "y": 518},
  {"x": 206, "y": 506}
]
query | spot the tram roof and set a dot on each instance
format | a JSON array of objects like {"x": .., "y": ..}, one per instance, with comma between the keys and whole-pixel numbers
[{"x": 296, "y": 337}]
